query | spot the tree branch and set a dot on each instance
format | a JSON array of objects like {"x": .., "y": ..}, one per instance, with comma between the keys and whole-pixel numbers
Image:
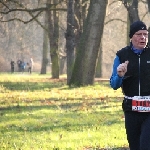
[
  {"x": 33, "y": 10},
  {"x": 25, "y": 22},
  {"x": 115, "y": 20}
]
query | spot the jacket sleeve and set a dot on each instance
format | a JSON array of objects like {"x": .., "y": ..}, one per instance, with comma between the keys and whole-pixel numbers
[{"x": 115, "y": 80}]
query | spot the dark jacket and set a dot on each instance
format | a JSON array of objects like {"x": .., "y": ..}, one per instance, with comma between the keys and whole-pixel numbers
[{"x": 137, "y": 78}]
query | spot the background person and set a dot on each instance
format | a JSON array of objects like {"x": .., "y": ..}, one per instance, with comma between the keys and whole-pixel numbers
[
  {"x": 29, "y": 68},
  {"x": 12, "y": 64},
  {"x": 19, "y": 62},
  {"x": 30, "y": 64},
  {"x": 23, "y": 66},
  {"x": 131, "y": 72}
]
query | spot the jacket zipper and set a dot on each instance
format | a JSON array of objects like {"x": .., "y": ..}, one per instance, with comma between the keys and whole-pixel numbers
[{"x": 139, "y": 77}]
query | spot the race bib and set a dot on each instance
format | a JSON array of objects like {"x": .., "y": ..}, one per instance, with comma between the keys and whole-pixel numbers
[{"x": 141, "y": 103}]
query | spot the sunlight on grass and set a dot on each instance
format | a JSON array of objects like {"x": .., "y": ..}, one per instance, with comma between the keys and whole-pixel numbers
[{"x": 40, "y": 113}]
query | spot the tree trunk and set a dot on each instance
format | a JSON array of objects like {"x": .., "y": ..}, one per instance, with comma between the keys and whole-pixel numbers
[
  {"x": 70, "y": 39},
  {"x": 78, "y": 21},
  {"x": 128, "y": 29},
  {"x": 148, "y": 2},
  {"x": 132, "y": 8},
  {"x": 87, "y": 53},
  {"x": 84, "y": 10},
  {"x": 45, "y": 48},
  {"x": 53, "y": 20},
  {"x": 99, "y": 64}
]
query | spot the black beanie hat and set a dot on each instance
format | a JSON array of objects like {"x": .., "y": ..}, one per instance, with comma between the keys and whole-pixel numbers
[{"x": 136, "y": 26}]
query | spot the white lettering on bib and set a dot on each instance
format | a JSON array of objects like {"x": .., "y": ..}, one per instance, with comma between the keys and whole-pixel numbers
[{"x": 141, "y": 103}]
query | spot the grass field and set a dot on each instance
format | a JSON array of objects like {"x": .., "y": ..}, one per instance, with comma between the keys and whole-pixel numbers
[{"x": 38, "y": 113}]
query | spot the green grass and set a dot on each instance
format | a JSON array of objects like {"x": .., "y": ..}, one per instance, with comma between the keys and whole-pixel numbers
[{"x": 38, "y": 113}]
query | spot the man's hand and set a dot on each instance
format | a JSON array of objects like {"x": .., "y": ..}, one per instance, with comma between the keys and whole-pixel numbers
[{"x": 122, "y": 68}]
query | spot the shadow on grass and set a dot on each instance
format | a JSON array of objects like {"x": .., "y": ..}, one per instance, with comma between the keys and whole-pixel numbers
[
  {"x": 39, "y": 85},
  {"x": 64, "y": 111},
  {"x": 73, "y": 104},
  {"x": 67, "y": 116},
  {"x": 32, "y": 86}
]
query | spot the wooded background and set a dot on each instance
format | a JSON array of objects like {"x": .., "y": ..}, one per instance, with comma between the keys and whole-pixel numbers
[{"x": 40, "y": 29}]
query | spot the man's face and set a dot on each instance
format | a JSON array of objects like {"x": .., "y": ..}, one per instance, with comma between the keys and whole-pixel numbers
[{"x": 140, "y": 39}]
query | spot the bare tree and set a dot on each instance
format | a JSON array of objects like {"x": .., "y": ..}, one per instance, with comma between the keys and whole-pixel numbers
[
  {"x": 88, "y": 50},
  {"x": 45, "y": 47},
  {"x": 76, "y": 15},
  {"x": 13, "y": 6},
  {"x": 133, "y": 13},
  {"x": 70, "y": 43},
  {"x": 132, "y": 9},
  {"x": 53, "y": 26}
]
